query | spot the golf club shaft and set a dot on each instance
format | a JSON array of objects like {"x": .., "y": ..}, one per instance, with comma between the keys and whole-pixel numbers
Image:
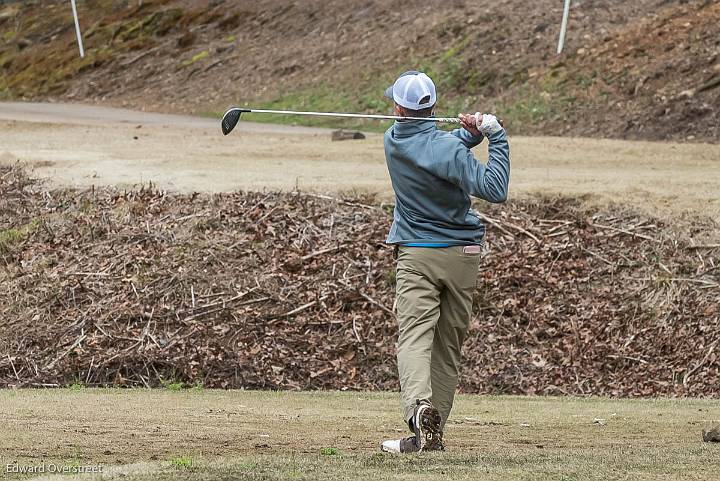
[{"x": 454, "y": 120}]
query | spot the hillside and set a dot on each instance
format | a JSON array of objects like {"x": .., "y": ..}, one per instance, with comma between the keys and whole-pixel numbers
[{"x": 648, "y": 69}]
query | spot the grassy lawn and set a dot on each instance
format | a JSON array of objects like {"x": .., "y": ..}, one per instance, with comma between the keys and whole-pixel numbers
[{"x": 202, "y": 434}]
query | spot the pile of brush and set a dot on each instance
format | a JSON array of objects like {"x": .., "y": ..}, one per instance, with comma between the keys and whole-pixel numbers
[{"x": 295, "y": 291}]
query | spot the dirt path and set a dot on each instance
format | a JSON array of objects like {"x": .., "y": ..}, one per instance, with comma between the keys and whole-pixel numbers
[{"x": 88, "y": 145}]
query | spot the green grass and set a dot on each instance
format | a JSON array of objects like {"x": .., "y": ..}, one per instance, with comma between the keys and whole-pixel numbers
[
  {"x": 457, "y": 81},
  {"x": 532, "y": 104},
  {"x": 217, "y": 435},
  {"x": 182, "y": 462},
  {"x": 360, "y": 96},
  {"x": 9, "y": 238},
  {"x": 196, "y": 58},
  {"x": 325, "y": 98}
]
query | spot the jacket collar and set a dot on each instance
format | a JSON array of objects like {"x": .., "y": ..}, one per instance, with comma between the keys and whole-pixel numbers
[{"x": 407, "y": 128}]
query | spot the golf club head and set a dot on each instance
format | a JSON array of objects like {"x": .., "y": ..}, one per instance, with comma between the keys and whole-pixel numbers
[{"x": 230, "y": 119}]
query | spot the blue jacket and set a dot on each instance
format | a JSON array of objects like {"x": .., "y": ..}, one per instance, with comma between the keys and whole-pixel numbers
[{"x": 434, "y": 173}]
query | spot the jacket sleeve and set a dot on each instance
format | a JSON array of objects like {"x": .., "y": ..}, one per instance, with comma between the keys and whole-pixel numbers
[
  {"x": 468, "y": 139},
  {"x": 488, "y": 182}
]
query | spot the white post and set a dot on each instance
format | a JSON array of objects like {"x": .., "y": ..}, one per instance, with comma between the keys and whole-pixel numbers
[
  {"x": 563, "y": 27},
  {"x": 77, "y": 29}
]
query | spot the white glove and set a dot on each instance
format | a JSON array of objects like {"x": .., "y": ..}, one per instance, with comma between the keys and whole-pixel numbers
[{"x": 489, "y": 125}]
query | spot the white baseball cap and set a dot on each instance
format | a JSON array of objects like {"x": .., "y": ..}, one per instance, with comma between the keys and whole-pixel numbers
[{"x": 413, "y": 90}]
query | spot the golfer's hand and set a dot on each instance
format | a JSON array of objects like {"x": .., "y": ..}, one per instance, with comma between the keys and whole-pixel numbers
[
  {"x": 488, "y": 124},
  {"x": 470, "y": 122}
]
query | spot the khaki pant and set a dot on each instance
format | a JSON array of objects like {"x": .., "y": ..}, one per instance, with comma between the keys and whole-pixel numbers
[{"x": 434, "y": 305}]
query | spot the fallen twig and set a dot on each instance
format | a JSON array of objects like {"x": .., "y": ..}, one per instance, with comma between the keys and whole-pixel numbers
[
  {"x": 700, "y": 364},
  {"x": 73, "y": 346},
  {"x": 376, "y": 303},
  {"x": 321, "y": 251},
  {"x": 13, "y": 368},
  {"x": 705, "y": 246},
  {"x": 624, "y": 231},
  {"x": 498, "y": 223}
]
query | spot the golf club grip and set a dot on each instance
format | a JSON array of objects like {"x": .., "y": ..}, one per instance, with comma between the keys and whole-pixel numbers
[{"x": 455, "y": 120}]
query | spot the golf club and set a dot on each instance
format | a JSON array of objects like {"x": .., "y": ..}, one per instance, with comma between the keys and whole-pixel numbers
[{"x": 232, "y": 116}]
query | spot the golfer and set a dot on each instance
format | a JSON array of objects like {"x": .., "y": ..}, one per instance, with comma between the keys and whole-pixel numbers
[{"x": 437, "y": 240}]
